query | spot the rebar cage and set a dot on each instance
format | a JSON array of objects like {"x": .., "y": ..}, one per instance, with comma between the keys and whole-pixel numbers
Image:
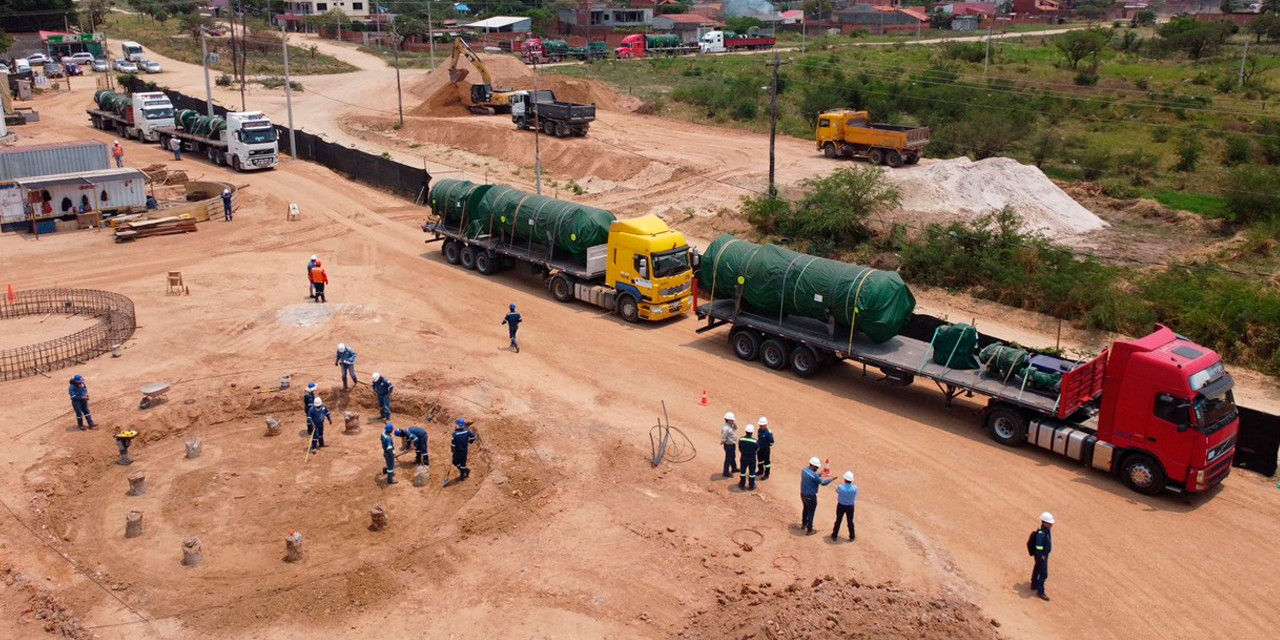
[{"x": 116, "y": 324}]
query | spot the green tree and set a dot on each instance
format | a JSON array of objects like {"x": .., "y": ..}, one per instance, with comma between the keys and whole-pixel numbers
[
  {"x": 1188, "y": 149},
  {"x": 1080, "y": 44},
  {"x": 1254, "y": 193},
  {"x": 939, "y": 19},
  {"x": 1197, "y": 38},
  {"x": 984, "y": 134},
  {"x": 1236, "y": 150},
  {"x": 1267, "y": 24},
  {"x": 1045, "y": 146},
  {"x": 743, "y": 24},
  {"x": 6, "y": 41},
  {"x": 837, "y": 206},
  {"x": 1144, "y": 18}
]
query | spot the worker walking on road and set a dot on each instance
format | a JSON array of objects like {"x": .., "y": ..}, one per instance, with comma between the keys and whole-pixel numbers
[
  {"x": 79, "y": 393},
  {"x": 311, "y": 287},
  {"x": 747, "y": 449},
  {"x": 1039, "y": 545},
  {"x": 846, "y": 497},
  {"x": 512, "y": 321},
  {"x": 729, "y": 438},
  {"x": 347, "y": 359},
  {"x": 319, "y": 413},
  {"x": 226, "y": 205},
  {"x": 764, "y": 447},
  {"x": 463, "y": 438},
  {"x": 318, "y": 280},
  {"x": 383, "y": 388},
  {"x": 415, "y": 437},
  {"x": 810, "y": 480},
  {"x": 308, "y": 399},
  {"x": 117, "y": 152},
  {"x": 389, "y": 453}
]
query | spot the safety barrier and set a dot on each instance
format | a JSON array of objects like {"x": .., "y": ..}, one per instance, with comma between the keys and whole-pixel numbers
[{"x": 116, "y": 323}]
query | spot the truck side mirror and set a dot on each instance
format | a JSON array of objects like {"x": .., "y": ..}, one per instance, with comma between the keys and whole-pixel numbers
[{"x": 695, "y": 258}]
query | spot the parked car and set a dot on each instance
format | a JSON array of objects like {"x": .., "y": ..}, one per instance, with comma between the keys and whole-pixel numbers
[
  {"x": 101, "y": 66},
  {"x": 82, "y": 57},
  {"x": 73, "y": 69},
  {"x": 150, "y": 66},
  {"x": 38, "y": 58},
  {"x": 124, "y": 66},
  {"x": 54, "y": 70}
]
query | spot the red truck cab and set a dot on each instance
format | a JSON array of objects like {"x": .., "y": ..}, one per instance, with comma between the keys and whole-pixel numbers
[
  {"x": 1168, "y": 409},
  {"x": 631, "y": 46}
]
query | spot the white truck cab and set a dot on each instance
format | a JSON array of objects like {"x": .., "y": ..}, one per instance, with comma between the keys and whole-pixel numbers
[
  {"x": 712, "y": 42},
  {"x": 131, "y": 51},
  {"x": 151, "y": 110},
  {"x": 251, "y": 141}
]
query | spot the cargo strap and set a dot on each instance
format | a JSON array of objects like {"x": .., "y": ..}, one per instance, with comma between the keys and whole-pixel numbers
[
  {"x": 715, "y": 271},
  {"x": 853, "y": 320},
  {"x": 799, "y": 277},
  {"x": 953, "y": 349},
  {"x": 782, "y": 290},
  {"x": 515, "y": 217}
]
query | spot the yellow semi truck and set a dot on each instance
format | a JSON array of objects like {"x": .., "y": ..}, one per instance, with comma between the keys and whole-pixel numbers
[{"x": 846, "y": 133}]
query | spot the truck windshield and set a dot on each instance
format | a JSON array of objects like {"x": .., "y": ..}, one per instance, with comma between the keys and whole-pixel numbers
[
  {"x": 1214, "y": 413},
  {"x": 158, "y": 113},
  {"x": 671, "y": 263},
  {"x": 256, "y": 136}
]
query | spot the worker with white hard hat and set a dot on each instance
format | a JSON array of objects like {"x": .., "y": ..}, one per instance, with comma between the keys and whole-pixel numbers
[
  {"x": 810, "y": 480},
  {"x": 764, "y": 447},
  {"x": 226, "y": 204},
  {"x": 117, "y": 152},
  {"x": 1039, "y": 545},
  {"x": 319, "y": 413},
  {"x": 748, "y": 447},
  {"x": 311, "y": 265},
  {"x": 309, "y": 399},
  {"x": 382, "y": 387},
  {"x": 347, "y": 359},
  {"x": 846, "y": 497},
  {"x": 729, "y": 438}
]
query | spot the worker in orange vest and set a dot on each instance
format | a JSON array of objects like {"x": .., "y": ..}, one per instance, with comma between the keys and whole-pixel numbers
[
  {"x": 319, "y": 279},
  {"x": 117, "y": 152}
]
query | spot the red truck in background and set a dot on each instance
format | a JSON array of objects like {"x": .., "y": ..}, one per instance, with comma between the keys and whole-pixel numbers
[{"x": 647, "y": 45}]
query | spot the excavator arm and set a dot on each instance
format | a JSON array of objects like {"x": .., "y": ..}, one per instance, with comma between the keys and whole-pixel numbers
[{"x": 460, "y": 49}]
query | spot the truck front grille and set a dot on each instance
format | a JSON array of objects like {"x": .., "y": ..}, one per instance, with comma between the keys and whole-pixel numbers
[{"x": 675, "y": 291}]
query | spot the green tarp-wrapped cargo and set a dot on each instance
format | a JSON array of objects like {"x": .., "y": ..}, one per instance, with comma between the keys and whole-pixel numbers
[
  {"x": 780, "y": 281},
  {"x": 494, "y": 209},
  {"x": 192, "y": 122},
  {"x": 1013, "y": 365},
  {"x": 955, "y": 346},
  {"x": 116, "y": 103}
]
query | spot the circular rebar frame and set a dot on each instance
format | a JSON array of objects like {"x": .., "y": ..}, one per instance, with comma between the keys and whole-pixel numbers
[{"x": 116, "y": 323}]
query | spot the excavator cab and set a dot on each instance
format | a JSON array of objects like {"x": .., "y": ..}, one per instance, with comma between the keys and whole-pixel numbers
[
  {"x": 484, "y": 99},
  {"x": 481, "y": 94}
]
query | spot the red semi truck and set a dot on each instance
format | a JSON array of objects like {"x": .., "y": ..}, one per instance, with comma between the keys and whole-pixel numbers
[
  {"x": 1157, "y": 411},
  {"x": 644, "y": 45}
]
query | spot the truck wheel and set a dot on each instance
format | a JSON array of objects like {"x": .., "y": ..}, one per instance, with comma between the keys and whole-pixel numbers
[
  {"x": 451, "y": 251},
  {"x": 875, "y": 156},
  {"x": 745, "y": 343},
  {"x": 522, "y": 124},
  {"x": 913, "y": 158},
  {"x": 1008, "y": 426},
  {"x": 487, "y": 263},
  {"x": 804, "y": 361},
  {"x": 562, "y": 131},
  {"x": 1143, "y": 474},
  {"x": 829, "y": 150},
  {"x": 629, "y": 309},
  {"x": 235, "y": 163},
  {"x": 549, "y": 128},
  {"x": 774, "y": 353},
  {"x": 562, "y": 288},
  {"x": 468, "y": 257},
  {"x": 893, "y": 159}
]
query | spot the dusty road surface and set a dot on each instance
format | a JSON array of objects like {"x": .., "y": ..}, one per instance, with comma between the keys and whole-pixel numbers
[{"x": 564, "y": 530}]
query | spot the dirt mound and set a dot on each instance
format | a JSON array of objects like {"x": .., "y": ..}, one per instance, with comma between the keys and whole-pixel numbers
[
  {"x": 826, "y": 608},
  {"x": 444, "y": 99},
  {"x": 967, "y": 189}
]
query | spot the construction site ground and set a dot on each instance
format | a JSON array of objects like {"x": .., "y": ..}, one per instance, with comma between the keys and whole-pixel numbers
[{"x": 564, "y": 529}]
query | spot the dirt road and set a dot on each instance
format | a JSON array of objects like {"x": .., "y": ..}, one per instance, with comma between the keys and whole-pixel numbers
[{"x": 564, "y": 530}]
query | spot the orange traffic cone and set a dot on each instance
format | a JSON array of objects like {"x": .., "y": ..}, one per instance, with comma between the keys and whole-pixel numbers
[
  {"x": 704, "y": 402},
  {"x": 826, "y": 467},
  {"x": 13, "y": 298}
]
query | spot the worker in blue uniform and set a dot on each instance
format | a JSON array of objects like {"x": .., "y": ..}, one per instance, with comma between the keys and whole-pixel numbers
[
  {"x": 810, "y": 480},
  {"x": 747, "y": 449},
  {"x": 311, "y": 285},
  {"x": 389, "y": 453},
  {"x": 226, "y": 204},
  {"x": 1040, "y": 545},
  {"x": 79, "y": 393},
  {"x": 308, "y": 399},
  {"x": 462, "y": 439},
  {"x": 764, "y": 447},
  {"x": 846, "y": 499},
  {"x": 415, "y": 437},
  {"x": 513, "y": 320},
  {"x": 346, "y": 358},
  {"x": 382, "y": 387},
  {"x": 319, "y": 413}
]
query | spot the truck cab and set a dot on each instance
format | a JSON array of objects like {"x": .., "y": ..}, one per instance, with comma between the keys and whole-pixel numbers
[
  {"x": 649, "y": 263},
  {"x": 1168, "y": 409},
  {"x": 131, "y": 51},
  {"x": 149, "y": 111},
  {"x": 631, "y": 46},
  {"x": 520, "y": 102},
  {"x": 251, "y": 141},
  {"x": 712, "y": 42}
]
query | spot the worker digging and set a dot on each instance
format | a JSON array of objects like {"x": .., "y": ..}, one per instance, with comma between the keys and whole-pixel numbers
[
  {"x": 461, "y": 441},
  {"x": 79, "y": 392},
  {"x": 382, "y": 387},
  {"x": 415, "y": 438}
]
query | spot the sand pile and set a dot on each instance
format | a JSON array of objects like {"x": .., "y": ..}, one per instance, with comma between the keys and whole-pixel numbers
[
  {"x": 826, "y": 608},
  {"x": 964, "y": 188},
  {"x": 442, "y": 98}
]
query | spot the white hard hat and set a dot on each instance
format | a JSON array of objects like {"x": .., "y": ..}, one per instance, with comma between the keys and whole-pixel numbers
[
  {"x": 377, "y": 377},
  {"x": 751, "y": 428},
  {"x": 848, "y": 476},
  {"x": 764, "y": 422},
  {"x": 318, "y": 402},
  {"x": 342, "y": 347},
  {"x": 117, "y": 142},
  {"x": 1046, "y": 517},
  {"x": 226, "y": 191},
  {"x": 729, "y": 416},
  {"x": 313, "y": 257},
  {"x": 814, "y": 462}
]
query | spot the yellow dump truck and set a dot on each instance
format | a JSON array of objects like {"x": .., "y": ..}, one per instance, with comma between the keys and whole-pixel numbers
[{"x": 846, "y": 133}]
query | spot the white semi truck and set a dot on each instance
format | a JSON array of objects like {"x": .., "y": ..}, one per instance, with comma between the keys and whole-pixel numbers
[
  {"x": 138, "y": 116},
  {"x": 245, "y": 140}
]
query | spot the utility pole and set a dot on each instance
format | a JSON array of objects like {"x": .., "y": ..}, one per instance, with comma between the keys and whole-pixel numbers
[
  {"x": 244, "y": 55},
  {"x": 288, "y": 94},
  {"x": 1244, "y": 58},
  {"x": 395, "y": 49},
  {"x": 986, "y": 59},
  {"x": 773, "y": 124},
  {"x": 208, "y": 88},
  {"x": 431, "y": 39},
  {"x": 537, "y": 127}
]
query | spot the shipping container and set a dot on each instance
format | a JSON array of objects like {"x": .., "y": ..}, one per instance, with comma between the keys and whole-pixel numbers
[
  {"x": 53, "y": 159},
  {"x": 108, "y": 191}
]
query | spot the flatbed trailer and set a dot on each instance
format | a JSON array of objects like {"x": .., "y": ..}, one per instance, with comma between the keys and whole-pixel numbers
[{"x": 478, "y": 253}]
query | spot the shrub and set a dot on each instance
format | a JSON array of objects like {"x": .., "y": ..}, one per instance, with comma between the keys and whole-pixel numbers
[
  {"x": 767, "y": 214},
  {"x": 966, "y": 51},
  {"x": 1086, "y": 78},
  {"x": 1138, "y": 165},
  {"x": 1253, "y": 193},
  {"x": 1161, "y": 134},
  {"x": 1236, "y": 151},
  {"x": 1188, "y": 150},
  {"x": 834, "y": 210},
  {"x": 1142, "y": 83},
  {"x": 1045, "y": 146},
  {"x": 1119, "y": 188},
  {"x": 223, "y": 80},
  {"x": 1095, "y": 162}
]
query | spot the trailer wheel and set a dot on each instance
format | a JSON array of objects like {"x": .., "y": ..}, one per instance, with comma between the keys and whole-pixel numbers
[
  {"x": 487, "y": 263},
  {"x": 468, "y": 257},
  {"x": 235, "y": 163},
  {"x": 562, "y": 288},
  {"x": 774, "y": 354},
  {"x": 745, "y": 343},
  {"x": 804, "y": 361},
  {"x": 913, "y": 158},
  {"x": 829, "y": 150},
  {"x": 451, "y": 251},
  {"x": 1008, "y": 426},
  {"x": 893, "y": 159},
  {"x": 1143, "y": 474},
  {"x": 629, "y": 309},
  {"x": 875, "y": 156}
]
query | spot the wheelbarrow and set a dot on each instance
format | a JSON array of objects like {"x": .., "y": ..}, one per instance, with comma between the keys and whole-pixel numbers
[{"x": 153, "y": 394}]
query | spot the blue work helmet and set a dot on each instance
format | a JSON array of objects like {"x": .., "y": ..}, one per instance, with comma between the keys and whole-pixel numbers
[
  {"x": 513, "y": 307},
  {"x": 389, "y": 428},
  {"x": 462, "y": 422},
  {"x": 401, "y": 432},
  {"x": 311, "y": 387},
  {"x": 78, "y": 378}
]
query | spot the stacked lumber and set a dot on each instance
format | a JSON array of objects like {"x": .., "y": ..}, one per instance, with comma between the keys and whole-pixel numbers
[{"x": 136, "y": 229}]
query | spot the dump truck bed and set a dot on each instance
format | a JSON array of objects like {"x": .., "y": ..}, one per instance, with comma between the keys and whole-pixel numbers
[{"x": 888, "y": 136}]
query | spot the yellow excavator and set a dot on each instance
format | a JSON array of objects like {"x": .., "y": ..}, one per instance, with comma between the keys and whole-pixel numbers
[{"x": 485, "y": 100}]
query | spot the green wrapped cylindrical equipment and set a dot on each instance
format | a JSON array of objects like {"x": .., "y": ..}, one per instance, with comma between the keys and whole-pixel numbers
[
  {"x": 108, "y": 100},
  {"x": 777, "y": 281},
  {"x": 955, "y": 346},
  {"x": 1014, "y": 365},
  {"x": 662, "y": 41},
  {"x": 192, "y": 122},
  {"x": 555, "y": 47},
  {"x": 484, "y": 209}
]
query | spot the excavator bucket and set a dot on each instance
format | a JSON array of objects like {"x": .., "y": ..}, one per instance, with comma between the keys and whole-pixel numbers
[{"x": 457, "y": 75}]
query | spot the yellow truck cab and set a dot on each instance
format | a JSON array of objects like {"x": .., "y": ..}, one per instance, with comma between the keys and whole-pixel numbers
[
  {"x": 648, "y": 266},
  {"x": 846, "y": 133}
]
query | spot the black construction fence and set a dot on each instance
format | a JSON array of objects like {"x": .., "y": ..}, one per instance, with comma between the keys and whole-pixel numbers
[
  {"x": 1257, "y": 446},
  {"x": 376, "y": 171}
]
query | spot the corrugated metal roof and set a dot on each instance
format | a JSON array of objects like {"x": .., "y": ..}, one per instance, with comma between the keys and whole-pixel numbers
[
  {"x": 90, "y": 177},
  {"x": 498, "y": 22},
  {"x": 54, "y": 158}
]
